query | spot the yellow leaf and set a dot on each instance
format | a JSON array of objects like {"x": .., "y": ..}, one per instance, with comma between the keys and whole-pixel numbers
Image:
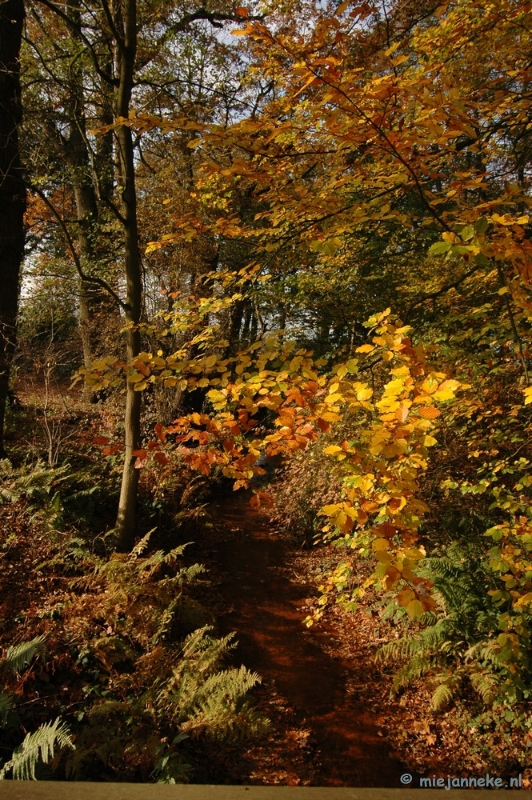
[
  {"x": 394, "y": 387},
  {"x": 388, "y": 404},
  {"x": 415, "y": 553},
  {"x": 528, "y": 395},
  {"x": 364, "y": 393},
  {"x": 330, "y": 416},
  {"x": 381, "y": 544},
  {"x": 330, "y": 509},
  {"x": 446, "y": 390},
  {"x": 414, "y": 609},
  {"x": 216, "y": 395},
  {"x": 365, "y": 348}
]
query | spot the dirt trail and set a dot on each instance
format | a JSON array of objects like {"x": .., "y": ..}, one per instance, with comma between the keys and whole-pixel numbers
[{"x": 264, "y": 606}]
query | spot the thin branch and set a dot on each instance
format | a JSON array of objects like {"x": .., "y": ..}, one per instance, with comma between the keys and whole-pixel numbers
[
  {"x": 518, "y": 340},
  {"x": 79, "y": 269},
  {"x": 72, "y": 26},
  {"x": 110, "y": 21},
  {"x": 442, "y": 290}
]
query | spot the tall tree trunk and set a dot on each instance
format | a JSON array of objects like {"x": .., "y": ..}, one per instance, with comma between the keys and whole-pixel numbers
[
  {"x": 127, "y": 27},
  {"x": 12, "y": 191},
  {"x": 76, "y": 153},
  {"x": 84, "y": 322}
]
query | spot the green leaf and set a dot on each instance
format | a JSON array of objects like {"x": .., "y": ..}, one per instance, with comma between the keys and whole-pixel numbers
[
  {"x": 439, "y": 248},
  {"x": 481, "y": 225}
]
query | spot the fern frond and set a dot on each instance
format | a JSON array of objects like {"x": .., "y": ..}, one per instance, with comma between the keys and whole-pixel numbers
[
  {"x": 20, "y": 655},
  {"x": 442, "y": 696},
  {"x": 486, "y": 684},
  {"x": 184, "y": 576},
  {"x": 206, "y": 649},
  {"x": 8, "y": 495},
  {"x": 487, "y": 651},
  {"x": 218, "y": 707},
  {"x": 424, "y": 642},
  {"x": 39, "y": 745},
  {"x": 443, "y": 567},
  {"x": 141, "y": 546},
  {"x": 414, "y": 669}
]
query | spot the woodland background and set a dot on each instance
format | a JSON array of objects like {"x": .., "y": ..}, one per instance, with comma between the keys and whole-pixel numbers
[{"x": 281, "y": 229}]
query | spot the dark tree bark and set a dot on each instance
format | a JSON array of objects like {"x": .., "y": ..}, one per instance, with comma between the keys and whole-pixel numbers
[{"x": 12, "y": 191}]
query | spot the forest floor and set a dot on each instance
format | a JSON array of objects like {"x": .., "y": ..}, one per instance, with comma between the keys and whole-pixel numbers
[{"x": 334, "y": 722}]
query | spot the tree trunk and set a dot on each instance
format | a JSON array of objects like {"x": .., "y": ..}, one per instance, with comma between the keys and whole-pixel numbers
[
  {"x": 84, "y": 327},
  {"x": 12, "y": 191},
  {"x": 125, "y": 523},
  {"x": 76, "y": 154}
]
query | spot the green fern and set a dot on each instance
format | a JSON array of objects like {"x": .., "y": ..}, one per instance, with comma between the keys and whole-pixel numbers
[
  {"x": 443, "y": 696},
  {"x": 485, "y": 684},
  {"x": 202, "y": 698},
  {"x": 171, "y": 689},
  {"x": 415, "y": 668},
  {"x": 20, "y": 655},
  {"x": 37, "y": 747},
  {"x": 461, "y": 640}
]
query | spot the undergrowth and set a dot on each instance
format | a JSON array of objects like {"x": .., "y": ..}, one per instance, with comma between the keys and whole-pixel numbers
[
  {"x": 134, "y": 667},
  {"x": 472, "y": 651}
]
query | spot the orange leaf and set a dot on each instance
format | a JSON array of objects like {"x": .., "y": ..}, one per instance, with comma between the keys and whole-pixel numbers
[
  {"x": 140, "y": 453},
  {"x": 429, "y": 412},
  {"x": 110, "y": 451},
  {"x": 385, "y": 529},
  {"x": 160, "y": 432}
]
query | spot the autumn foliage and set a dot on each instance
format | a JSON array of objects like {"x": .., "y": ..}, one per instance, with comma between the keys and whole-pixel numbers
[{"x": 336, "y": 271}]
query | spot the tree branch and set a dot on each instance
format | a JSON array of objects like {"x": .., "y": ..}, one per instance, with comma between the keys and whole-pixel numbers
[
  {"x": 442, "y": 290},
  {"x": 79, "y": 269}
]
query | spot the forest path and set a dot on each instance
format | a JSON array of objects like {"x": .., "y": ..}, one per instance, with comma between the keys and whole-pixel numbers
[{"x": 264, "y": 605}]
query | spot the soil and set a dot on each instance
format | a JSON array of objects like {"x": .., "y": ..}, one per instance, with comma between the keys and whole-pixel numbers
[{"x": 327, "y": 732}]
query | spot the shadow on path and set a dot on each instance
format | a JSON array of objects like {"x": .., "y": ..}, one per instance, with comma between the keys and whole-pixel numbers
[{"x": 264, "y": 608}]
